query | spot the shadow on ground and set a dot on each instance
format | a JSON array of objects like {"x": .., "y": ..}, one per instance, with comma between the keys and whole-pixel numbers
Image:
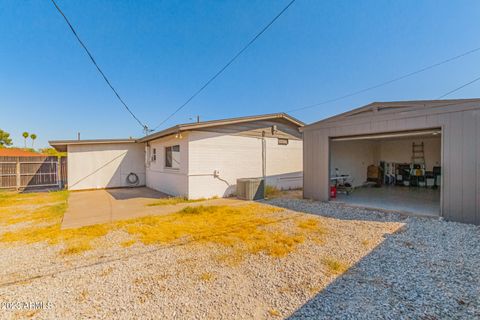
[
  {"x": 136, "y": 192},
  {"x": 428, "y": 269}
]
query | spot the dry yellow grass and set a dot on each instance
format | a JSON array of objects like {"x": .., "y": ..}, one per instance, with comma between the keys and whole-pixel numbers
[
  {"x": 43, "y": 213},
  {"x": 83, "y": 296},
  {"x": 206, "y": 276},
  {"x": 274, "y": 313},
  {"x": 245, "y": 229},
  {"x": 128, "y": 243},
  {"x": 9, "y": 199},
  {"x": 32, "y": 207},
  {"x": 172, "y": 201},
  {"x": 77, "y": 247},
  {"x": 335, "y": 266}
]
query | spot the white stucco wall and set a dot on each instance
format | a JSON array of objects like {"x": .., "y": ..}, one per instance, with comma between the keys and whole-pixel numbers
[
  {"x": 236, "y": 157},
  {"x": 98, "y": 166},
  {"x": 170, "y": 181}
]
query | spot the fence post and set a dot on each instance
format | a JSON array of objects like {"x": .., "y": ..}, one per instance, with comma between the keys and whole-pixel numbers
[
  {"x": 59, "y": 173},
  {"x": 17, "y": 174}
]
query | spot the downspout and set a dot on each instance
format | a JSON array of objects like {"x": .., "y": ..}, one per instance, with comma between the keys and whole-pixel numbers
[
  {"x": 147, "y": 155},
  {"x": 264, "y": 162}
]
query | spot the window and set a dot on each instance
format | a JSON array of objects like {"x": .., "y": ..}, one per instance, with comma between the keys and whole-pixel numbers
[
  {"x": 282, "y": 141},
  {"x": 154, "y": 155},
  {"x": 172, "y": 157}
]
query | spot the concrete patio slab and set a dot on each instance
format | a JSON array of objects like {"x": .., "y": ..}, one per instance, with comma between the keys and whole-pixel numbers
[
  {"x": 104, "y": 206},
  {"x": 416, "y": 201}
]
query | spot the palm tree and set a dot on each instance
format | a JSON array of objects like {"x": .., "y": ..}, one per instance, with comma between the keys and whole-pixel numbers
[
  {"x": 25, "y": 137},
  {"x": 33, "y": 136}
]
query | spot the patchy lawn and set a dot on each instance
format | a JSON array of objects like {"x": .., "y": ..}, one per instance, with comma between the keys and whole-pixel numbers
[
  {"x": 172, "y": 201},
  {"x": 246, "y": 229}
]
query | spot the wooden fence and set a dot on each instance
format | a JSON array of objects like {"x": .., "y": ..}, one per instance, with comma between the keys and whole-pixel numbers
[{"x": 25, "y": 172}]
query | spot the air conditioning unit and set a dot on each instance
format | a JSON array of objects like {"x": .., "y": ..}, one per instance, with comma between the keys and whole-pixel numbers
[{"x": 250, "y": 188}]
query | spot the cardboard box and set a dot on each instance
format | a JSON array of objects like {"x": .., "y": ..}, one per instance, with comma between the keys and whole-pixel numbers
[{"x": 373, "y": 172}]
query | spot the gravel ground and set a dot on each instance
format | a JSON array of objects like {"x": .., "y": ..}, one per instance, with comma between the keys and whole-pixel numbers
[
  {"x": 429, "y": 269},
  {"x": 399, "y": 267}
]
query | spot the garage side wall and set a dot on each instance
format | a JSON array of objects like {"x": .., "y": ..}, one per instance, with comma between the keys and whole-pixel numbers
[
  {"x": 99, "y": 166},
  {"x": 460, "y": 125},
  {"x": 316, "y": 152}
]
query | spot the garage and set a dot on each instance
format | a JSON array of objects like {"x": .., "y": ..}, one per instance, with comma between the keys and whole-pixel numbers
[
  {"x": 418, "y": 157},
  {"x": 398, "y": 171}
]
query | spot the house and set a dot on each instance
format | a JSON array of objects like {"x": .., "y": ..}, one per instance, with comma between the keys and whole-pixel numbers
[
  {"x": 195, "y": 160},
  {"x": 426, "y": 153}
]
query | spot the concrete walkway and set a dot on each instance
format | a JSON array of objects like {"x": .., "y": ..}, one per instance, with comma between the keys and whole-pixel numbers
[{"x": 103, "y": 206}]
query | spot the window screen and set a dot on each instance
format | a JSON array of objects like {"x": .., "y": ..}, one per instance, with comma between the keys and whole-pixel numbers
[{"x": 172, "y": 157}]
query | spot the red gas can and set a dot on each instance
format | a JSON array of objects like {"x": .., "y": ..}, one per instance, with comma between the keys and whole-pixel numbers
[{"x": 333, "y": 192}]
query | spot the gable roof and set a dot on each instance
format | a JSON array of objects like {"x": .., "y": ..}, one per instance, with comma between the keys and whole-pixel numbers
[
  {"x": 17, "y": 152},
  {"x": 392, "y": 106},
  {"x": 214, "y": 123}
]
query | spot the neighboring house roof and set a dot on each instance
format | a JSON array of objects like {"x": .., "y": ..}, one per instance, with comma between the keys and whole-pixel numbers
[
  {"x": 61, "y": 145},
  {"x": 17, "y": 152},
  {"x": 392, "y": 106},
  {"x": 214, "y": 123}
]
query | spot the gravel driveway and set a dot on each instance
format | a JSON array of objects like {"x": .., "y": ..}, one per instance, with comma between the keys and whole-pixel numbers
[{"x": 398, "y": 267}]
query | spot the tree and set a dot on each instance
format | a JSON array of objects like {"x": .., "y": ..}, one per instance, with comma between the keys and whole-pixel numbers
[
  {"x": 25, "y": 136},
  {"x": 53, "y": 152},
  {"x": 5, "y": 139},
  {"x": 33, "y": 136}
]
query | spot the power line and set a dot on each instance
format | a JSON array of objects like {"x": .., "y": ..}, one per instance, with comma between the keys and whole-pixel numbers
[
  {"x": 226, "y": 65},
  {"x": 145, "y": 128},
  {"x": 391, "y": 81},
  {"x": 458, "y": 88}
]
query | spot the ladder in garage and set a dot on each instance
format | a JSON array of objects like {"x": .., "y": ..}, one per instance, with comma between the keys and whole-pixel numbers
[{"x": 418, "y": 153}]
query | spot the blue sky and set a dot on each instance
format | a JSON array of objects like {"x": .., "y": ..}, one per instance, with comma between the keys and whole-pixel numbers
[{"x": 157, "y": 53}]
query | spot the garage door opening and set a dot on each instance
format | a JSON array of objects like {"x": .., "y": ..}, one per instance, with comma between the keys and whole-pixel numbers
[{"x": 398, "y": 171}]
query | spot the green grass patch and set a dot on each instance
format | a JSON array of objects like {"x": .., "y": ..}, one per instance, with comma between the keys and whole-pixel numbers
[
  {"x": 172, "y": 201},
  {"x": 335, "y": 266},
  {"x": 272, "y": 191}
]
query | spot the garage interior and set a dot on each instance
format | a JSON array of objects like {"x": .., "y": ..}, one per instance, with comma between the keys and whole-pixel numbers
[{"x": 394, "y": 171}]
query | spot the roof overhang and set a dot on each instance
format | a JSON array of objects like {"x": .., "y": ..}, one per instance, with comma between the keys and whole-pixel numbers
[
  {"x": 376, "y": 107},
  {"x": 214, "y": 123},
  {"x": 61, "y": 145}
]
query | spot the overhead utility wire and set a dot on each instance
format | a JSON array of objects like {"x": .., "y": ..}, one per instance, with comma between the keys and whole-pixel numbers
[
  {"x": 391, "y": 81},
  {"x": 226, "y": 65},
  {"x": 458, "y": 88},
  {"x": 145, "y": 128}
]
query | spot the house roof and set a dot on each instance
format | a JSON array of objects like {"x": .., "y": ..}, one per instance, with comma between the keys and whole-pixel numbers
[
  {"x": 61, "y": 145},
  {"x": 391, "y": 105},
  {"x": 17, "y": 152},
  {"x": 213, "y": 123}
]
